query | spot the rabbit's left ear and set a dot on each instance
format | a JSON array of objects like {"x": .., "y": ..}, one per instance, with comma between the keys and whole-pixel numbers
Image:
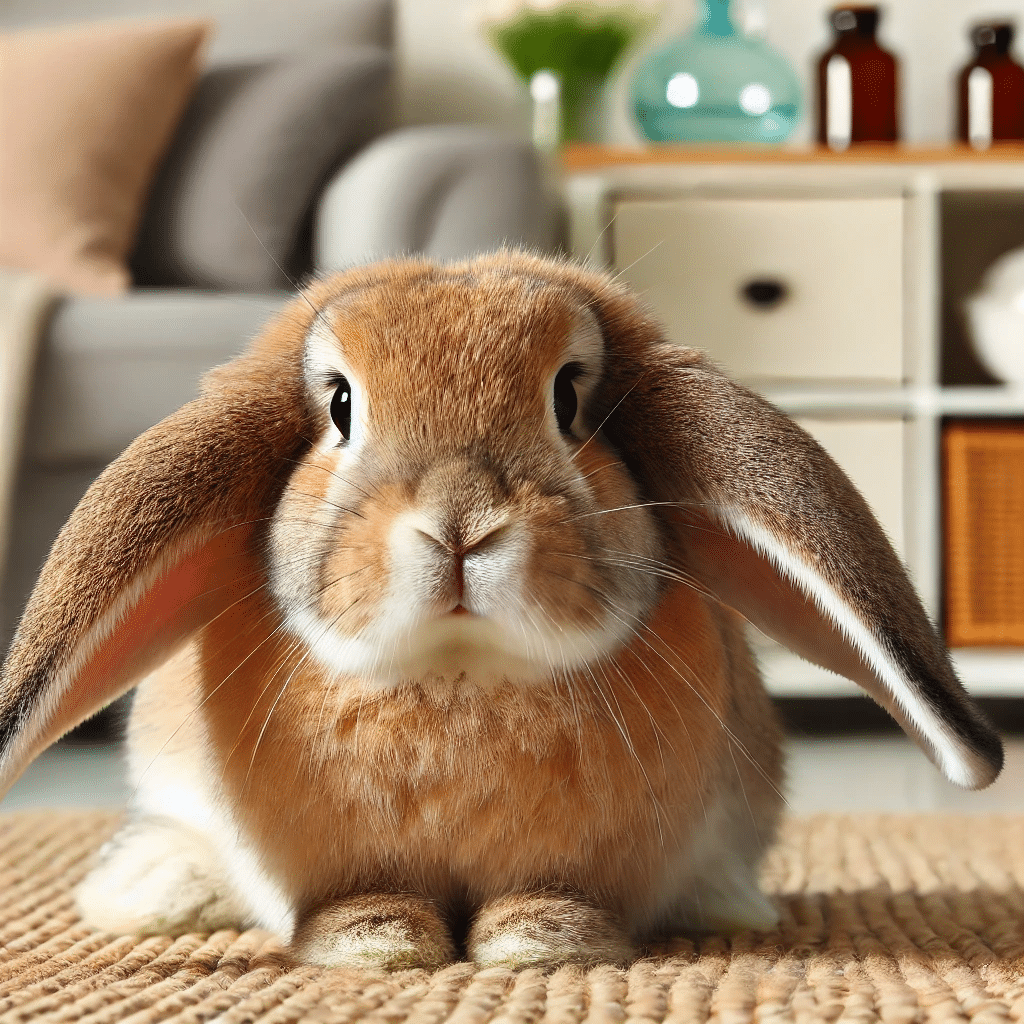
[
  {"x": 770, "y": 525},
  {"x": 161, "y": 543}
]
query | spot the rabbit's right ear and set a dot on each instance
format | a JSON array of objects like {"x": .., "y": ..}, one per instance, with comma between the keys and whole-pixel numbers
[
  {"x": 767, "y": 523},
  {"x": 160, "y": 544}
]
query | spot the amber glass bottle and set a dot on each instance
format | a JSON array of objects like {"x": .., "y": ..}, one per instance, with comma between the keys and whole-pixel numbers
[
  {"x": 991, "y": 89},
  {"x": 857, "y": 82}
]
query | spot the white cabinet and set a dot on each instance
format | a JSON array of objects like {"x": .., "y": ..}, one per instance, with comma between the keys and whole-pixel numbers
[
  {"x": 822, "y": 281},
  {"x": 804, "y": 289}
]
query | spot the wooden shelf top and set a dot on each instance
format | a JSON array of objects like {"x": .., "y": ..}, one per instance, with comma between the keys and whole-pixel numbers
[{"x": 589, "y": 157}]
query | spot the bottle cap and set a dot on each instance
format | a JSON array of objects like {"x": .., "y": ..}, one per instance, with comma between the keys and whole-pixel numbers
[
  {"x": 993, "y": 33},
  {"x": 863, "y": 19}
]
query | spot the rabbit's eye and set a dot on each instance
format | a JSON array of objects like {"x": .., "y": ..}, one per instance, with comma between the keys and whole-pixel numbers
[
  {"x": 341, "y": 408},
  {"x": 565, "y": 395}
]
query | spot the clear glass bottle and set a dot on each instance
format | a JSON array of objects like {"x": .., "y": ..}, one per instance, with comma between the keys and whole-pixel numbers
[
  {"x": 858, "y": 82},
  {"x": 715, "y": 84},
  {"x": 990, "y": 89}
]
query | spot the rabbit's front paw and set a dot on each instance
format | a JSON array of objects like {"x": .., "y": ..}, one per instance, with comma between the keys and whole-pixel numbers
[
  {"x": 382, "y": 930},
  {"x": 158, "y": 877},
  {"x": 545, "y": 930}
]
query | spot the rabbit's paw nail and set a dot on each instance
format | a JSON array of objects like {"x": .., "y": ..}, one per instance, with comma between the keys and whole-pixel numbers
[
  {"x": 375, "y": 930},
  {"x": 545, "y": 930},
  {"x": 155, "y": 877}
]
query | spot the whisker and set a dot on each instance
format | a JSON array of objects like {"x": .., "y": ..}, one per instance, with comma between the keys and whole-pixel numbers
[
  {"x": 653, "y": 248},
  {"x": 319, "y": 314},
  {"x": 610, "y": 606},
  {"x": 696, "y": 692},
  {"x": 310, "y": 647},
  {"x": 628, "y": 740},
  {"x": 597, "y": 469},
  {"x": 625, "y": 508},
  {"x": 194, "y": 711},
  {"x": 662, "y": 570},
  {"x": 576, "y": 454},
  {"x": 279, "y": 628},
  {"x": 270, "y": 713},
  {"x": 597, "y": 241}
]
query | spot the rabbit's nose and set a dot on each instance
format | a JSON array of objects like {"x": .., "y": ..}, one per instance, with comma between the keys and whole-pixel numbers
[
  {"x": 455, "y": 539},
  {"x": 458, "y": 544},
  {"x": 483, "y": 537}
]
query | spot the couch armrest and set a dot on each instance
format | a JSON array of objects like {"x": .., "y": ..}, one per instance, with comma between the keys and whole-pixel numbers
[{"x": 445, "y": 191}]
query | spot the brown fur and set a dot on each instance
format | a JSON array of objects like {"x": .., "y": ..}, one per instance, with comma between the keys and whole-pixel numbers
[
  {"x": 460, "y": 790},
  {"x": 391, "y": 930},
  {"x": 464, "y": 796},
  {"x": 546, "y": 929}
]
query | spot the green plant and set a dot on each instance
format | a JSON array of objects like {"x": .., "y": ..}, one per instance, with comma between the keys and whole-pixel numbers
[{"x": 579, "y": 42}]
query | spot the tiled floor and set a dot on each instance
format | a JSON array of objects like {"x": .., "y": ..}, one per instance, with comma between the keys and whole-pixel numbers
[
  {"x": 888, "y": 773},
  {"x": 66, "y": 775},
  {"x": 874, "y": 773}
]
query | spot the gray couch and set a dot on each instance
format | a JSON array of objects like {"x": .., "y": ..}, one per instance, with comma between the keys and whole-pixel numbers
[{"x": 283, "y": 165}]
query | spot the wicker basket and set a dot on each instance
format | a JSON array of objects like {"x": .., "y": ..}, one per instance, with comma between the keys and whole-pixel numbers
[{"x": 984, "y": 506}]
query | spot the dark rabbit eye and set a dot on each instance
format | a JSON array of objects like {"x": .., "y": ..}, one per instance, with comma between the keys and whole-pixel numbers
[
  {"x": 565, "y": 395},
  {"x": 341, "y": 408}
]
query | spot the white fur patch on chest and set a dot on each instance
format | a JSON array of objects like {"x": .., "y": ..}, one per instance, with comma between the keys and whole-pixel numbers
[{"x": 179, "y": 787}]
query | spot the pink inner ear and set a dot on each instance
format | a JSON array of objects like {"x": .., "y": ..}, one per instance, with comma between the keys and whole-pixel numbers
[{"x": 175, "y": 605}]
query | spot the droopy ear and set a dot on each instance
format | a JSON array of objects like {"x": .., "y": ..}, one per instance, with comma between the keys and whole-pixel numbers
[
  {"x": 770, "y": 525},
  {"x": 152, "y": 551}
]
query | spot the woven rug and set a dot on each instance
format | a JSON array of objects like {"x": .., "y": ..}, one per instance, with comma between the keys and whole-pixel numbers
[{"x": 897, "y": 919}]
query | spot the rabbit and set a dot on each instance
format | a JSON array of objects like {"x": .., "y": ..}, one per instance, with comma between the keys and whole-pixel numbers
[{"x": 435, "y": 603}]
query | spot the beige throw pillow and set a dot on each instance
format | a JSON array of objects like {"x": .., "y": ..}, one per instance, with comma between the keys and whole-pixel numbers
[{"x": 86, "y": 112}]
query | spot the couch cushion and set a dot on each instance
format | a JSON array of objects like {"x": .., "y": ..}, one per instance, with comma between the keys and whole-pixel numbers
[
  {"x": 86, "y": 115},
  {"x": 111, "y": 368},
  {"x": 252, "y": 30},
  {"x": 258, "y": 142}
]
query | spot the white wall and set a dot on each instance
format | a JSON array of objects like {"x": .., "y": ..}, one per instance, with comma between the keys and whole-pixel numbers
[{"x": 449, "y": 73}]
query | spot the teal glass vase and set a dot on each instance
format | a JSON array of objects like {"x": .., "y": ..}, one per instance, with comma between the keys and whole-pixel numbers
[{"x": 715, "y": 84}]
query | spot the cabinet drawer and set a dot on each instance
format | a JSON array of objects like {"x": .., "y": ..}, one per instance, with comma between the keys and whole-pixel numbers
[
  {"x": 871, "y": 454},
  {"x": 840, "y": 262}
]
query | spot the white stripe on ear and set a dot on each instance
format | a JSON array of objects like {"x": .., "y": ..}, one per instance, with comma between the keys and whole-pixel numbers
[{"x": 879, "y": 666}]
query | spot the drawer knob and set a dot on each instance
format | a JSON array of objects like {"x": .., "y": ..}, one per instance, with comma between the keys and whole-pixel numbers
[{"x": 765, "y": 292}]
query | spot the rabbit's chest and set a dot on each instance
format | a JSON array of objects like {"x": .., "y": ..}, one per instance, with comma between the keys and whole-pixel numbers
[
  {"x": 445, "y": 784},
  {"x": 518, "y": 793}
]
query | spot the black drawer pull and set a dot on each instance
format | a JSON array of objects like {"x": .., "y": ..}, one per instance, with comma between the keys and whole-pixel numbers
[{"x": 765, "y": 292}]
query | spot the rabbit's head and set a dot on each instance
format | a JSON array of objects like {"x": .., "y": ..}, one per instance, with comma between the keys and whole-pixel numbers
[
  {"x": 488, "y": 471},
  {"x": 451, "y": 512}
]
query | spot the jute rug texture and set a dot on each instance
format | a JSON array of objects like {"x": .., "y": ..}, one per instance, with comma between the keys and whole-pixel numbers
[{"x": 888, "y": 918}]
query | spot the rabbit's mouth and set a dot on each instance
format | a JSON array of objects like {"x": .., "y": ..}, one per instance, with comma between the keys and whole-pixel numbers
[
  {"x": 485, "y": 646},
  {"x": 453, "y": 644}
]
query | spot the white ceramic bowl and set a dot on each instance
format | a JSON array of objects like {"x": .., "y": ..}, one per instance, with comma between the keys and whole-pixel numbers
[{"x": 996, "y": 318}]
